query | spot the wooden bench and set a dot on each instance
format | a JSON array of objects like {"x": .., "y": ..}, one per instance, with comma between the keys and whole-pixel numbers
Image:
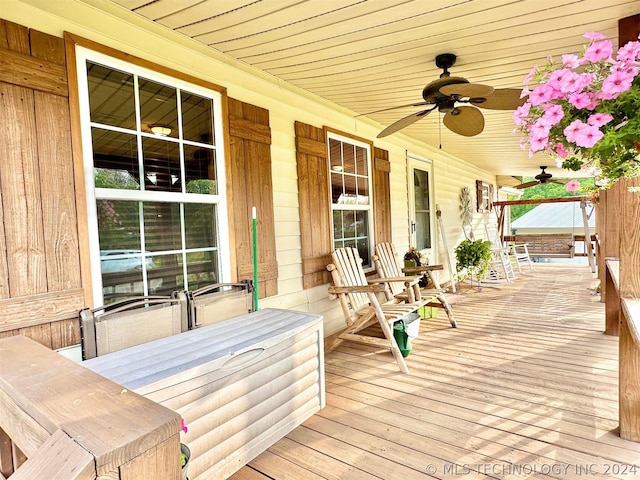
[{"x": 548, "y": 245}]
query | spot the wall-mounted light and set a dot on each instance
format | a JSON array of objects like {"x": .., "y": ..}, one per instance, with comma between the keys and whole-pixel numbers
[{"x": 160, "y": 130}]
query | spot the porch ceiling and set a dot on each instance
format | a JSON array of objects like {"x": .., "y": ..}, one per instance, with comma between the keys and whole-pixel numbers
[{"x": 371, "y": 55}]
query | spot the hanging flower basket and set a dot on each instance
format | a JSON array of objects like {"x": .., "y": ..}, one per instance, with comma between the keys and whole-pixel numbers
[{"x": 585, "y": 112}]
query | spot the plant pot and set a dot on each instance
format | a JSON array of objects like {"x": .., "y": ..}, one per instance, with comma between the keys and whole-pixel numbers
[{"x": 184, "y": 450}]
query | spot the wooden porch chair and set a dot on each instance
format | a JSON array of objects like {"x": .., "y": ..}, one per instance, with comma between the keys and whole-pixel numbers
[
  {"x": 388, "y": 265},
  {"x": 361, "y": 306},
  {"x": 130, "y": 322},
  {"x": 518, "y": 250}
]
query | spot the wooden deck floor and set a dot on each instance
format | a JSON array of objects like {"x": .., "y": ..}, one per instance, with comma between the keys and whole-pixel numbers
[{"x": 526, "y": 387}]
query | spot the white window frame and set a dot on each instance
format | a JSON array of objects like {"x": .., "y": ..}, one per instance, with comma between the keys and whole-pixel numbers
[
  {"x": 93, "y": 194},
  {"x": 369, "y": 206}
]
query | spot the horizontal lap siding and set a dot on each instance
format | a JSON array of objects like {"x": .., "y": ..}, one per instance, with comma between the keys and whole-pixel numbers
[{"x": 40, "y": 288}]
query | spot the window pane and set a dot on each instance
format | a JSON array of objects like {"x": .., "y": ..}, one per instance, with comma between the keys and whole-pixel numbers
[
  {"x": 167, "y": 274},
  {"x": 115, "y": 160},
  {"x": 161, "y": 165},
  {"x": 201, "y": 231},
  {"x": 119, "y": 285},
  {"x": 362, "y": 167},
  {"x": 363, "y": 191},
  {"x": 200, "y": 164},
  {"x": 337, "y": 188},
  {"x": 162, "y": 226},
  {"x": 158, "y": 107},
  {"x": 202, "y": 269},
  {"x": 335, "y": 155},
  {"x": 197, "y": 118},
  {"x": 422, "y": 215},
  {"x": 118, "y": 225},
  {"x": 111, "y": 96},
  {"x": 349, "y": 157}
]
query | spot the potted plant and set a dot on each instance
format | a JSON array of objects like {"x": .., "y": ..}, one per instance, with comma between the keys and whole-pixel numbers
[
  {"x": 585, "y": 112},
  {"x": 473, "y": 257},
  {"x": 413, "y": 258}
]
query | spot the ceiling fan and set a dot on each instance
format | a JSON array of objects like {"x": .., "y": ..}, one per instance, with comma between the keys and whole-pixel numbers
[
  {"x": 445, "y": 93},
  {"x": 541, "y": 179}
]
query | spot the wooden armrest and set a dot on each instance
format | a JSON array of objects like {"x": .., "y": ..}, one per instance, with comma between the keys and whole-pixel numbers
[
  {"x": 377, "y": 288},
  {"x": 422, "y": 268},
  {"x": 405, "y": 280}
]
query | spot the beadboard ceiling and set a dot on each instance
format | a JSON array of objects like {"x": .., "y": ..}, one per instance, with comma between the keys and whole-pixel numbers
[{"x": 375, "y": 54}]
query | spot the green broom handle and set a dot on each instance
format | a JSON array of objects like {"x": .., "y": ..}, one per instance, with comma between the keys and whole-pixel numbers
[{"x": 255, "y": 259}]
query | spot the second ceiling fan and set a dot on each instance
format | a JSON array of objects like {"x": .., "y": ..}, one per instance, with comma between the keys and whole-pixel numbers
[
  {"x": 447, "y": 92},
  {"x": 541, "y": 179}
]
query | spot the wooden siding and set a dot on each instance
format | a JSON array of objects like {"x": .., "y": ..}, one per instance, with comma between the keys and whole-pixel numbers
[
  {"x": 527, "y": 381},
  {"x": 40, "y": 290},
  {"x": 251, "y": 184}
]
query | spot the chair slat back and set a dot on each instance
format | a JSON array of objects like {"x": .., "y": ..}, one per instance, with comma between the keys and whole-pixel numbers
[
  {"x": 387, "y": 263},
  {"x": 348, "y": 272}
]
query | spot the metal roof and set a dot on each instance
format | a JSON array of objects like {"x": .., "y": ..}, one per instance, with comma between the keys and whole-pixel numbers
[{"x": 554, "y": 215}]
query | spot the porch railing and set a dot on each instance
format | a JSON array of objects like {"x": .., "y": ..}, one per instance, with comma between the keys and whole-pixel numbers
[
  {"x": 61, "y": 420},
  {"x": 623, "y": 318}
]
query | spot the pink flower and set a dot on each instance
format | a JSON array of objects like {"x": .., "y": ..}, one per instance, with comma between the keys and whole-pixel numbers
[
  {"x": 540, "y": 94},
  {"x": 521, "y": 113},
  {"x": 599, "y": 51},
  {"x": 538, "y": 138},
  {"x": 184, "y": 428},
  {"x": 530, "y": 75},
  {"x": 561, "y": 151},
  {"x": 572, "y": 130},
  {"x": 619, "y": 81},
  {"x": 571, "y": 60},
  {"x": 552, "y": 115},
  {"x": 594, "y": 36},
  {"x": 599, "y": 119},
  {"x": 572, "y": 185},
  {"x": 580, "y": 100},
  {"x": 629, "y": 52},
  {"x": 587, "y": 136}
]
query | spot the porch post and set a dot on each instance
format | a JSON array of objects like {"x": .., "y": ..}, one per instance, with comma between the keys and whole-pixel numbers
[{"x": 629, "y": 359}]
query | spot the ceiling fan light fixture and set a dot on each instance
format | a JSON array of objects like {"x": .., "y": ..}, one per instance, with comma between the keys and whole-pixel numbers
[{"x": 161, "y": 130}]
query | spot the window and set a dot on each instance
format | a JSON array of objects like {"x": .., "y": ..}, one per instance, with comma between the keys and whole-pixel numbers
[
  {"x": 351, "y": 203},
  {"x": 155, "y": 182}
]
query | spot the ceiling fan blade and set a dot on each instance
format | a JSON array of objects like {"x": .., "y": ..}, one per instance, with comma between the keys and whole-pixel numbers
[
  {"x": 527, "y": 184},
  {"x": 404, "y": 122},
  {"x": 559, "y": 182},
  {"x": 500, "y": 99},
  {"x": 419, "y": 104},
  {"x": 466, "y": 121},
  {"x": 467, "y": 90}
]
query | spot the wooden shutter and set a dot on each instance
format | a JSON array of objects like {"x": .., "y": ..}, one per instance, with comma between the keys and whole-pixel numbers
[
  {"x": 381, "y": 196},
  {"x": 315, "y": 209},
  {"x": 40, "y": 286},
  {"x": 250, "y": 185}
]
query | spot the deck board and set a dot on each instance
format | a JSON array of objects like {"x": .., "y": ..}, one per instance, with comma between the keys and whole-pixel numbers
[{"x": 526, "y": 387}]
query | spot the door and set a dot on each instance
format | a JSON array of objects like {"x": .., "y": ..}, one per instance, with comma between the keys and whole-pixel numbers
[{"x": 421, "y": 206}]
